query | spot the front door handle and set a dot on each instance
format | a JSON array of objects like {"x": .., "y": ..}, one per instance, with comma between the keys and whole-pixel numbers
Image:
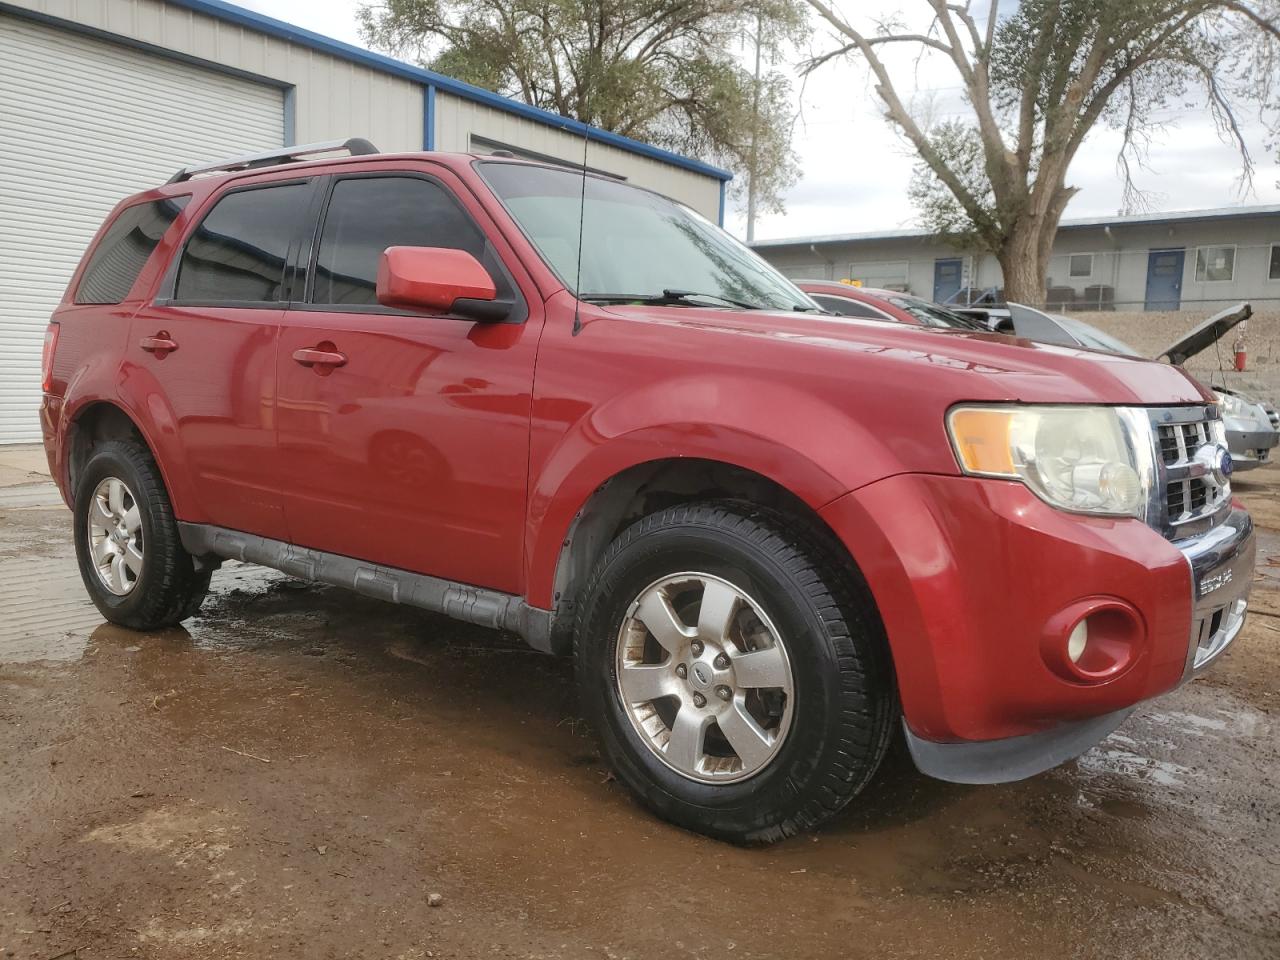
[
  {"x": 160, "y": 344},
  {"x": 325, "y": 355}
]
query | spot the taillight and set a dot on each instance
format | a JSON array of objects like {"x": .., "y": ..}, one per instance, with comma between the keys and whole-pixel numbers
[{"x": 46, "y": 357}]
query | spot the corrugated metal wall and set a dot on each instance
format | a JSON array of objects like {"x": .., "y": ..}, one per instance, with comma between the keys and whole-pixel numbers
[
  {"x": 334, "y": 99},
  {"x": 84, "y": 123},
  {"x": 458, "y": 119}
]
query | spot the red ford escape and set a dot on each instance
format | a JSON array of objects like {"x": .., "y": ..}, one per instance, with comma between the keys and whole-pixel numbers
[{"x": 767, "y": 537}]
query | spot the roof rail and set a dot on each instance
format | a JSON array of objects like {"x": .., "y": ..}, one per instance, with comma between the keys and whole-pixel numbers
[{"x": 356, "y": 146}]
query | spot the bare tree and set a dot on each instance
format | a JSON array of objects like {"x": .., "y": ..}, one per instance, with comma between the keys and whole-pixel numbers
[{"x": 1036, "y": 81}]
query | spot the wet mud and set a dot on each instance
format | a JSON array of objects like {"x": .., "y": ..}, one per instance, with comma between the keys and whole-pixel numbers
[{"x": 299, "y": 770}]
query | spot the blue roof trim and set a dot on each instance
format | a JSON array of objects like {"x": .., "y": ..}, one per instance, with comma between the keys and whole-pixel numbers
[{"x": 222, "y": 10}]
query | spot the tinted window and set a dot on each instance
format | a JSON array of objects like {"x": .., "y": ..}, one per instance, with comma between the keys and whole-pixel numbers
[
  {"x": 847, "y": 308},
  {"x": 123, "y": 252},
  {"x": 1273, "y": 272},
  {"x": 368, "y": 214},
  {"x": 240, "y": 250}
]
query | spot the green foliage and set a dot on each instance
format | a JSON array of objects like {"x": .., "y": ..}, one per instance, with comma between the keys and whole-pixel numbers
[
  {"x": 960, "y": 147},
  {"x": 661, "y": 71}
]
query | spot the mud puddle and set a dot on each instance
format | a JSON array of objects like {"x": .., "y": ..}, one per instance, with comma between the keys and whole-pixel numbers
[{"x": 297, "y": 771}]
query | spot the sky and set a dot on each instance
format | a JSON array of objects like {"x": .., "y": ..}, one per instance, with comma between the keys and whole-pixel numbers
[{"x": 855, "y": 169}]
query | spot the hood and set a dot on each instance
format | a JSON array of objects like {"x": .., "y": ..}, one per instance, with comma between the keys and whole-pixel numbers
[
  {"x": 907, "y": 360},
  {"x": 1206, "y": 333}
]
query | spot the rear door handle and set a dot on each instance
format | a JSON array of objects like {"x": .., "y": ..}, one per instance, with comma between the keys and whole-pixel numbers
[
  {"x": 323, "y": 355},
  {"x": 160, "y": 344}
]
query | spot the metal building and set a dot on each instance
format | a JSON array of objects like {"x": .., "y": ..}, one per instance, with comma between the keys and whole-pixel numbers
[
  {"x": 102, "y": 98},
  {"x": 1198, "y": 260}
]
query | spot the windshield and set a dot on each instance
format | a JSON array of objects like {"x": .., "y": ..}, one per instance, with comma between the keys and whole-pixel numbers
[
  {"x": 932, "y": 315},
  {"x": 638, "y": 246}
]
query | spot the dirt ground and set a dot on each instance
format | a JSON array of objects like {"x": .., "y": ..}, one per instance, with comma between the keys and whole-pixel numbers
[{"x": 300, "y": 769}]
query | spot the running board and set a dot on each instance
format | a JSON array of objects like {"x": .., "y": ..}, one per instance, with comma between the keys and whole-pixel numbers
[{"x": 487, "y": 608}]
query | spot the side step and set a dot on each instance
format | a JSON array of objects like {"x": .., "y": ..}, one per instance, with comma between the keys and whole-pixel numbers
[{"x": 487, "y": 608}]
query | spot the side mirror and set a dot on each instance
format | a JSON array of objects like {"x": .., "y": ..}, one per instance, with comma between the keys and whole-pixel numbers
[{"x": 439, "y": 279}]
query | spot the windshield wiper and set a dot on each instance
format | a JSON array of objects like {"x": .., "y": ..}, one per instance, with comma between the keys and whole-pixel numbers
[{"x": 669, "y": 298}]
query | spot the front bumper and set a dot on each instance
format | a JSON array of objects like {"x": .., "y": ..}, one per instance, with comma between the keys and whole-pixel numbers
[
  {"x": 967, "y": 572},
  {"x": 1250, "y": 447}
]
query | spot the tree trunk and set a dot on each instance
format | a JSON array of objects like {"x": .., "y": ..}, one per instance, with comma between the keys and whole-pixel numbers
[{"x": 1023, "y": 267}]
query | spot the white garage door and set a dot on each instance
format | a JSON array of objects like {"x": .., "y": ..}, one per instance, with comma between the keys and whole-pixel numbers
[{"x": 83, "y": 123}]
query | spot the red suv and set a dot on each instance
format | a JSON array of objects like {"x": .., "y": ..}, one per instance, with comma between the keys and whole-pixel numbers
[{"x": 579, "y": 412}]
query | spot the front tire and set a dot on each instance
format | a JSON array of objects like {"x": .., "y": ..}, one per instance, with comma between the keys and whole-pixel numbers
[
  {"x": 735, "y": 669},
  {"x": 131, "y": 558}
]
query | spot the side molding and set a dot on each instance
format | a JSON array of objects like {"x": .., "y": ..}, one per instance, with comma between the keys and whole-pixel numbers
[{"x": 487, "y": 608}]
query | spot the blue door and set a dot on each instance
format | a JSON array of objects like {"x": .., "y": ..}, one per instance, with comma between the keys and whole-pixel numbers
[
  {"x": 1164, "y": 279},
  {"x": 947, "y": 278}
]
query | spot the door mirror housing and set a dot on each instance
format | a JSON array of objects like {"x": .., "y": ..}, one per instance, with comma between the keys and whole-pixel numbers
[{"x": 440, "y": 280}]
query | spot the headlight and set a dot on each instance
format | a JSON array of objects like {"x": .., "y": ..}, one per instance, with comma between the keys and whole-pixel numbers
[
  {"x": 1231, "y": 406},
  {"x": 1084, "y": 459}
]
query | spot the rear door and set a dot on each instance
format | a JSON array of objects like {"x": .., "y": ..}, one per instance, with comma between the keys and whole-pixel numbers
[
  {"x": 204, "y": 352},
  {"x": 412, "y": 449}
]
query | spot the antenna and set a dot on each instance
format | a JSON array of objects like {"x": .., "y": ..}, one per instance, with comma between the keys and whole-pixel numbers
[{"x": 582, "y": 217}]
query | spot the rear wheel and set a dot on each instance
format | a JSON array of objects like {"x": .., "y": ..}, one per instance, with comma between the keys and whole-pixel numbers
[
  {"x": 735, "y": 670},
  {"x": 131, "y": 558}
]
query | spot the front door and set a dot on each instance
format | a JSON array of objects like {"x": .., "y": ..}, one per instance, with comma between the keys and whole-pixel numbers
[
  {"x": 205, "y": 354},
  {"x": 948, "y": 277},
  {"x": 409, "y": 446},
  {"x": 1164, "y": 279}
]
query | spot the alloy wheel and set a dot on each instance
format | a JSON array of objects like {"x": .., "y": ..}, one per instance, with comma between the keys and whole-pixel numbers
[
  {"x": 704, "y": 677},
  {"x": 115, "y": 536}
]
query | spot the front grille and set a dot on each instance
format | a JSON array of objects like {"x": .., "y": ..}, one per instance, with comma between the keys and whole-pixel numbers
[{"x": 1195, "y": 497}]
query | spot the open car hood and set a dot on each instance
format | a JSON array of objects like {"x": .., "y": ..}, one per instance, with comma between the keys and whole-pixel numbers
[{"x": 1206, "y": 333}]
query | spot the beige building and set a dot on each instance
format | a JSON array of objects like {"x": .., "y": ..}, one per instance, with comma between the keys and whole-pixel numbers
[
  {"x": 1196, "y": 260},
  {"x": 102, "y": 98}
]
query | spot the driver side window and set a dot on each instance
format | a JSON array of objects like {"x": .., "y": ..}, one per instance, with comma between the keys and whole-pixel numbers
[{"x": 368, "y": 214}]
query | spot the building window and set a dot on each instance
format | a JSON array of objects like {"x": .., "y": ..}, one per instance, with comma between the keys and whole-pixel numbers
[
  {"x": 1215, "y": 264},
  {"x": 1273, "y": 272},
  {"x": 1081, "y": 265},
  {"x": 881, "y": 274}
]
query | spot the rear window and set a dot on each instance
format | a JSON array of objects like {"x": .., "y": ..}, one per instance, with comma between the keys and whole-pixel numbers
[
  {"x": 239, "y": 252},
  {"x": 129, "y": 242}
]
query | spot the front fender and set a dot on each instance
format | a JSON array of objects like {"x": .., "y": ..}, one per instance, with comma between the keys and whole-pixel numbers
[{"x": 794, "y": 439}]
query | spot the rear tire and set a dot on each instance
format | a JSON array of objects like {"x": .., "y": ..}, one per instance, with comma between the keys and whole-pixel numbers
[
  {"x": 131, "y": 558},
  {"x": 822, "y": 708}
]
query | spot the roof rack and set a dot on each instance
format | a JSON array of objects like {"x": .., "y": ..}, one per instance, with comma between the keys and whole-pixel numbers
[{"x": 355, "y": 147}]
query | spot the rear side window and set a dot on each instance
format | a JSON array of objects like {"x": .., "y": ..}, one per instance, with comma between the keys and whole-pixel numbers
[
  {"x": 239, "y": 252},
  {"x": 124, "y": 250},
  {"x": 368, "y": 214}
]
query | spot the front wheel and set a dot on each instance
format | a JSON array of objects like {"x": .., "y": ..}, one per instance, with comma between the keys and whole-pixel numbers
[{"x": 735, "y": 669}]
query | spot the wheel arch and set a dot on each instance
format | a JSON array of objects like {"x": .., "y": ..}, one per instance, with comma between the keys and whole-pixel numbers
[
  {"x": 94, "y": 422},
  {"x": 647, "y": 487}
]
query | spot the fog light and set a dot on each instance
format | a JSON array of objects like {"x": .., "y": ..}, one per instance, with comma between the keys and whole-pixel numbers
[
  {"x": 1093, "y": 640},
  {"x": 1078, "y": 640}
]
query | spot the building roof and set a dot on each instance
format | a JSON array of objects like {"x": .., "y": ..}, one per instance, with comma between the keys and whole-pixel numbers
[
  {"x": 231, "y": 13},
  {"x": 1134, "y": 219}
]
